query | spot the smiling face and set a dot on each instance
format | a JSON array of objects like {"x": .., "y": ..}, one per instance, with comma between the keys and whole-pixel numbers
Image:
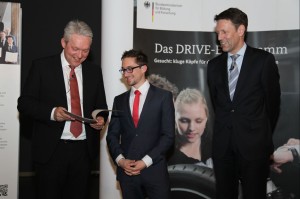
[
  {"x": 231, "y": 38},
  {"x": 137, "y": 77},
  {"x": 191, "y": 121},
  {"x": 76, "y": 49}
]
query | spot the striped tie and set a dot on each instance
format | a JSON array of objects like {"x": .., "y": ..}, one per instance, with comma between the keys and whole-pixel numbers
[{"x": 233, "y": 75}]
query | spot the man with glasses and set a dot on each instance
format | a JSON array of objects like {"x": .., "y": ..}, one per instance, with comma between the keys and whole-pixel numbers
[{"x": 141, "y": 132}]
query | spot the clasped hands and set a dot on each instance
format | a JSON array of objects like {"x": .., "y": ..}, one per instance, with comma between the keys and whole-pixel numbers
[
  {"x": 60, "y": 116},
  {"x": 132, "y": 167}
]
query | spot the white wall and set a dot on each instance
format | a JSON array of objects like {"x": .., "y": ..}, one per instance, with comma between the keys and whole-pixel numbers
[{"x": 117, "y": 36}]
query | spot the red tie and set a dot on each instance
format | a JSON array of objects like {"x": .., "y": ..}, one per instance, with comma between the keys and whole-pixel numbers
[
  {"x": 76, "y": 126},
  {"x": 135, "y": 110}
]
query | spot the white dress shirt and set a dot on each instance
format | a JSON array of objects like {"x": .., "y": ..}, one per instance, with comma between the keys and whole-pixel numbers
[
  {"x": 144, "y": 91},
  {"x": 67, "y": 135}
]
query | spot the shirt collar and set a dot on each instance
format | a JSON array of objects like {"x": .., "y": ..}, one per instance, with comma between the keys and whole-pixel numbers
[
  {"x": 241, "y": 52},
  {"x": 64, "y": 62},
  {"x": 143, "y": 88}
]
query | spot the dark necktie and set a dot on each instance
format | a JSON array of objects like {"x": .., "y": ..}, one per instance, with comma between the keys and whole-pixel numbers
[
  {"x": 76, "y": 126},
  {"x": 135, "y": 110},
  {"x": 233, "y": 75}
]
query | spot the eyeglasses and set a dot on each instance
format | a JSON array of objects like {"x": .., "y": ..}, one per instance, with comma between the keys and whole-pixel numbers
[{"x": 129, "y": 69}]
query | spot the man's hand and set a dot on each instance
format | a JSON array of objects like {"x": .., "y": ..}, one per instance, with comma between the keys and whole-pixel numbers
[
  {"x": 60, "y": 115},
  {"x": 293, "y": 141},
  {"x": 100, "y": 123},
  {"x": 132, "y": 167},
  {"x": 138, "y": 166},
  {"x": 127, "y": 165},
  {"x": 280, "y": 156}
]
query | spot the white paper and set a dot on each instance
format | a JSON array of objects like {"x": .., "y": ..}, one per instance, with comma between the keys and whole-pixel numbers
[{"x": 11, "y": 57}]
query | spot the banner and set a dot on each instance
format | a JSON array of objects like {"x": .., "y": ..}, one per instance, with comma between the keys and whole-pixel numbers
[
  {"x": 10, "y": 59},
  {"x": 179, "y": 39}
]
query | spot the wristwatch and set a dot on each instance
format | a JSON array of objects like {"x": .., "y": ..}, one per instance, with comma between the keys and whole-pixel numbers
[{"x": 295, "y": 154}]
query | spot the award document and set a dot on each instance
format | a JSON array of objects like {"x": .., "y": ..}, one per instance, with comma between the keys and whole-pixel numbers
[{"x": 87, "y": 120}]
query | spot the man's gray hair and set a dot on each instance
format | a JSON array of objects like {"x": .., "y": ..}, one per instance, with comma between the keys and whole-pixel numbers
[{"x": 77, "y": 27}]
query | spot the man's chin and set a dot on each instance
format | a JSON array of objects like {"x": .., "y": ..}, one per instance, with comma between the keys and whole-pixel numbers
[{"x": 224, "y": 49}]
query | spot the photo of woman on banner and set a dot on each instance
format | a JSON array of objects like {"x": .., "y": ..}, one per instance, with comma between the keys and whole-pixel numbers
[{"x": 192, "y": 145}]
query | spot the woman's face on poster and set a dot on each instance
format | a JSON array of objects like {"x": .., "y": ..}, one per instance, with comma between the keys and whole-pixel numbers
[{"x": 191, "y": 121}]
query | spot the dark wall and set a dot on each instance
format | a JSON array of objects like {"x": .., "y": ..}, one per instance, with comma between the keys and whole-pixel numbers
[{"x": 42, "y": 28}]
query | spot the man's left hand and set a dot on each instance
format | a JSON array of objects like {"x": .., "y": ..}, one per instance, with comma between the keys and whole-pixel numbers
[{"x": 100, "y": 123}]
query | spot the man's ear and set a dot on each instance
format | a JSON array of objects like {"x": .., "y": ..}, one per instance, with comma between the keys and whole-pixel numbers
[
  {"x": 144, "y": 68},
  {"x": 241, "y": 30},
  {"x": 63, "y": 42}
]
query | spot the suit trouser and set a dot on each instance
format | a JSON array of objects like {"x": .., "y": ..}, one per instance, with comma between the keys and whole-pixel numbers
[
  {"x": 66, "y": 175},
  {"x": 154, "y": 186},
  {"x": 233, "y": 170}
]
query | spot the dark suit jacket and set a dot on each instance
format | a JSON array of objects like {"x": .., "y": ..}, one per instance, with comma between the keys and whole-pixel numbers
[
  {"x": 44, "y": 90},
  {"x": 252, "y": 115},
  {"x": 14, "y": 49},
  {"x": 3, "y": 51},
  {"x": 153, "y": 136}
]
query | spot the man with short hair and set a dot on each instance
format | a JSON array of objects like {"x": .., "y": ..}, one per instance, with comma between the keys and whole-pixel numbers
[
  {"x": 141, "y": 131},
  {"x": 63, "y": 147},
  {"x": 245, "y": 93}
]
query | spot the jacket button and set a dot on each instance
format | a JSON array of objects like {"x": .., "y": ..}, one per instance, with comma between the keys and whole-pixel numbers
[{"x": 232, "y": 111}]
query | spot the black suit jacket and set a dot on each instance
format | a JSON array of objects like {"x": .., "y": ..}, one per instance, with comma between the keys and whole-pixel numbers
[
  {"x": 44, "y": 90},
  {"x": 14, "y": 49},
  {"x": 153, "y": 136},
  {"x": 252, "y": 115}
]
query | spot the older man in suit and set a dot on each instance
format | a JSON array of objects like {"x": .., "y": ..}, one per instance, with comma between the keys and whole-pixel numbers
[
  {"x": 62, "y": 146},
  {"x": 139, "y": 134},
  {"x": 245, "y": 92}
]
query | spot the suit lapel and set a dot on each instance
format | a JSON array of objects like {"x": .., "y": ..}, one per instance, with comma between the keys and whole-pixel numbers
[
  {"x": 59, "y": 83},
  {"x": 146, "y": 104},
  {"x": 127, "y": 110},
  {"x": 224, "y": 74},
  {"x": 243, "y": 73},
  {"x": 146, "y": 107}
]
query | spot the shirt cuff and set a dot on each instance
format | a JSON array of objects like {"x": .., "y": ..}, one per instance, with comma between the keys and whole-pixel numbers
[
  {"x": 147, "y": 160},
  {"x": 52, "y": 114},
  {"x": 119, "y": 158}
]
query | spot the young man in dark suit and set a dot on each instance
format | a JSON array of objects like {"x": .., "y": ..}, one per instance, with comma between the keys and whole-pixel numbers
[
  {"x": 63, "y": 147},
  {"x": 245, "y": 92},
  {"x": 138, "y": 145}
]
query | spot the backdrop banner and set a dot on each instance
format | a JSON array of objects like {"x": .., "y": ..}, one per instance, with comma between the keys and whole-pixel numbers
[
  {"x": 10, "y": 34},
  {"x": 179, "y": 39}
]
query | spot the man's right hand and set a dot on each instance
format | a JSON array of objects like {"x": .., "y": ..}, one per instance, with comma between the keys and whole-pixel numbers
[
  {"x": 127, "y": 165},
  {"x": 60, "y": 115}
]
